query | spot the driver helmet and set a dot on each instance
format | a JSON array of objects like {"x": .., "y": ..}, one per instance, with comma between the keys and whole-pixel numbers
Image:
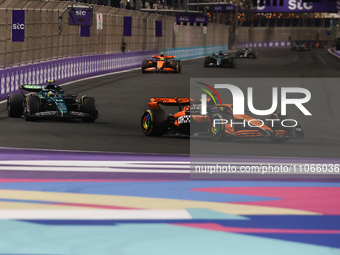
[
  {"x": 247, "y": 49},
  {"x": 220, "y": 53},
  {"x": 51, "y": 93},
  {"x": 162, "y": 56}
]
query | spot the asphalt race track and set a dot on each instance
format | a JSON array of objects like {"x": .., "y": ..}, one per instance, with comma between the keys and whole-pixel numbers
[{"x": 121, "y": 99}]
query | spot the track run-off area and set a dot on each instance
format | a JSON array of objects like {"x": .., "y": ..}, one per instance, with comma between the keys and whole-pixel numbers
[{"x": 105, "y": 188}]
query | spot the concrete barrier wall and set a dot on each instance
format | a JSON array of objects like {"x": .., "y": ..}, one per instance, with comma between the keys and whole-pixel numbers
[
  {"x": 43, "y": 42},
  {"x": 265, "y": 34},
  {"x": 68, "y": 69}
]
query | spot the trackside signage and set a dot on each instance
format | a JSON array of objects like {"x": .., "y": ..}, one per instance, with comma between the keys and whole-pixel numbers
[
  {"x": 189, "y": 17},
  {"x": 80, "y": 17},
  {"x": 238, "y": 100},
  {"x": 299, "y": 6},
  {"x": 18, "y": 25}
]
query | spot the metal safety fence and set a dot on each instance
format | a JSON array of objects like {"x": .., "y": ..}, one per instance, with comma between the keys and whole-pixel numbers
[
  {"x": 44, "y": 43},
  {"x": 194, "y": 52}
]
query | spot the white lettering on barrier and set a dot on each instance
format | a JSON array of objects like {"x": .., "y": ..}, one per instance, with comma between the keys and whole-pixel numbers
[
  {"x": 16, "y": 81},
  {"x": 58, "y": 70},
  {"x": 12, "y": 82},
  {"x": 293, "y": 5},
  {"x": 33, "y": 76},
  {"x": 8, "y": 80},
  {"x": 2, "y": 84},
  {"x": 81, "y": 13},
  {"x": 25, "y": 77},
  {"x": 29, "y": 76},
  {"x": 18, "y": 26},
  {"x": 21, "y": 78},
  {"x": 37, "y": 76}
]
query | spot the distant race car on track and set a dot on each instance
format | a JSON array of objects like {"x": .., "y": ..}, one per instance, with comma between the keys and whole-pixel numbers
[
  {"x": 300, "y": 47},
  {"x": 317, "y": 45},
  {"x": 161, "y": 63},
  {"x": 220, "y": 60},
  {"x": 188, "y": 120},
  {"x": 246, "y": 53},
  {"x": 50, "y": 102}
]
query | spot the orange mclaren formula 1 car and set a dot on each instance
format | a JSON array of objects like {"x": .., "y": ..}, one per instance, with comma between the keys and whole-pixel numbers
[
  {"x": 161, "y": 64},
  {"x": 218, "y": 124}
]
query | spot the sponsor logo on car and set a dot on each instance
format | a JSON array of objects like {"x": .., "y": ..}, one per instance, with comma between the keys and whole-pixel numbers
[
  {"x": 48, "y": 113},
  {"x": 81, "y": 114},
  {"x": 184, "y": 119}
]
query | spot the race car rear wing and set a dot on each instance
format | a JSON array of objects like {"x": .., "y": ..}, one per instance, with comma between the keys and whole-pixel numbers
[
  {"x": 32, "y": 88},
  {"x": 159, "y": 56},
  {"x": 169, "y": 102}
]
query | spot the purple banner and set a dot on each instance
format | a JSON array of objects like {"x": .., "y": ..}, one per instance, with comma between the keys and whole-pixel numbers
[
  {"x": 69, "y": 69},
  {"x": 127, "y": 26},
  {"x": 278, "y": 44},
  {"x": 18, "y": 25},
  {"x": 85, "y": 31},
  {"x": 299, "y": 6},
  {"x": 158, "y": 28},
  {"x": 223, "y": 8},
  {"x": 80, "y": 17},
  {"x": 189, "y": 17}
]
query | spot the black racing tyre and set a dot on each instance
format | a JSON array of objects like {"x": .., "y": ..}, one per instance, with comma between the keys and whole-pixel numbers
[
  {"x": 207, "y": 61},
  {"x": 278, "y": 126},
  {"x": 179, "y": 66},
  {"x": 254, "y": 55},
  {"x": 14, "y": 105},
  {"x": 145, "y": 65},
  {"x": 154, "y": 122},
  {"x": 31, "y": 106},
  {"x": 89, "y": 106},
  {"x": 216, "y": 130},
  {"x": 176, "y": 65}
]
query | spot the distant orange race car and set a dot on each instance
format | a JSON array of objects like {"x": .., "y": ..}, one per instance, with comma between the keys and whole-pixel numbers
[
  {"x": 188, "y": 121},
  {"x": 161, "y": 63}
]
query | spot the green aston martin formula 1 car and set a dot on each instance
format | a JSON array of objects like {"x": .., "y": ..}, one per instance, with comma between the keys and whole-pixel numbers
[{"x": 50, "y": 102}]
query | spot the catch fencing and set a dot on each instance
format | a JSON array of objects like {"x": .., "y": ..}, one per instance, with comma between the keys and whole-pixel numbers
[
  {"x": 194, "y": 52},
  {"x": 44, "y": 43},
  {"x": 280, "y": 44}
]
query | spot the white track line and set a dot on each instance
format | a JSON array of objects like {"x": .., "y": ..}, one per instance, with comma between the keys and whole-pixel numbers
[
  {"x": 329, "y": 50},
  {"x": 323, "y": 61},
  {"x": 94, "y": 163},
  {"x": 93, "y": 214},
  {"x": 92, "y": 170}
]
